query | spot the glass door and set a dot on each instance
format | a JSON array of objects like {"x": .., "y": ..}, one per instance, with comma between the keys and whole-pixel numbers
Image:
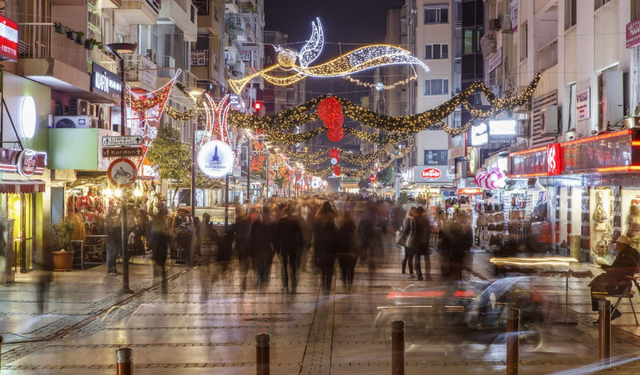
[{"x": 21, "y": 209}]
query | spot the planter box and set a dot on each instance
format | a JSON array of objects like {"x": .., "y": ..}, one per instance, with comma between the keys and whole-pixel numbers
[
  {"x": 89, "y": 46},
  {"x": 81, "y": 41},
  {"x": 71, "y": 35},
  {"x": 61, "y": 29},
  {"x": 62, "y": 261}
]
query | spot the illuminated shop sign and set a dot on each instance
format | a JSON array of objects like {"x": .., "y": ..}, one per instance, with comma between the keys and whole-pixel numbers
[
  {"x": 8, "y": 39},
  {"x": 106, "y": 83}
]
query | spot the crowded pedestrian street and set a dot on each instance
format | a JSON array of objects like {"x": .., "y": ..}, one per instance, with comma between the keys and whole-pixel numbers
[{"x": 207, "y": 322}]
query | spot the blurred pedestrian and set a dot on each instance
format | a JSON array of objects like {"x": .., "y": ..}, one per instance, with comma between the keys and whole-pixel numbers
[
  {"x": 348, "y": 248},
  {"x": 421, "y": 244},
  {"x": 289, "y": 243},
  {"x": 408, "y": 233},
  {"x": 114, "y": 244},
  {"x": 261, "y": 247},
  {"x": 159, "y": 244},
  {"x": 326, "y": 240}
]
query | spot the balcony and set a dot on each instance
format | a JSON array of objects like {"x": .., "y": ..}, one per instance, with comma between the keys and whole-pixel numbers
[
  {"x": 140, "y": 12},
  {"x": 141, "y": 72},
  {"x": 231, "y": 7},
  {"x": 181, "y": 13},
  {"x": 547, "y": 56},
  {"x": 209, "y": 69},
  {"x": 230, "y": 54}
]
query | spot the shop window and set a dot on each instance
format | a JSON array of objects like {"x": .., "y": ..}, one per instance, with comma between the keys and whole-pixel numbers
[
  {"x": 570, "y": 15},
  {"x": 572, "y": 107},
  {"x": 436, "y": 14},
  {"x": 436, "y": 51}
]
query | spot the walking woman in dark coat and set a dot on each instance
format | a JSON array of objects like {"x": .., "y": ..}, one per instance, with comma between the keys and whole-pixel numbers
[
  {"x": 158, "y": 242},
  {"x": 421, "y": 244},
  {"x": 348, "y": 248},
  {"x": 326, "y": 241}
]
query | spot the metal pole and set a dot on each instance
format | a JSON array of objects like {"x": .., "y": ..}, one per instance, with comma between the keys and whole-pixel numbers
[
  {"x": 123, "y": 198},
  {"x": 267, "y": 170},
  {"x": 604, "y": 310},
  {"x": 275, "y": 180},
  {"x": 226, "y": 202},
  {"x": 263, "y": 360},
  {"x": 513, "y": 341},
  {"x": 249, "y": 171},
  {"x": 397, "y": 347},
  {"x": 124, "y": 361},
  {"x": 193, "y": 166},
  {"x": 1, "y": 340},
  {"x": 397, "y": 174}
]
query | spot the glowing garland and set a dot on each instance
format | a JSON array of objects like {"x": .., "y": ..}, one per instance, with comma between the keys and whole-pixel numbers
[
  {"x": 361, "y": 59},
  {"x": 384, "y": 87}
]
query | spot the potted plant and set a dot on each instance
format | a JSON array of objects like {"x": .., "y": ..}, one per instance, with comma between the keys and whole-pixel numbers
[
  {"x": 80, "y": 38},
  {"x": 59, "y": 28},
  {"x": 90, "y": 44},
  {"x": 71, "y": 34},
  {"x": 63, "y": 254}
]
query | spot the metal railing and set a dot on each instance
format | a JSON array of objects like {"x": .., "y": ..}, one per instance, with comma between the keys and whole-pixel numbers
[{"x": 547, "y": 56}]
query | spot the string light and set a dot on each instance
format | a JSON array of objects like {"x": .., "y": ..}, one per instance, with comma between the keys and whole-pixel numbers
[{"x": 383, "y": 87}]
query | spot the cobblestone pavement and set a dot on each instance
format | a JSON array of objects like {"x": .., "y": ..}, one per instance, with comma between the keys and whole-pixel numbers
[{"x": 207, "y": 322}]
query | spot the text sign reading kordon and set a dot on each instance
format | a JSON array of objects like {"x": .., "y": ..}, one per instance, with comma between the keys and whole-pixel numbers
[
  {"x": 128, "y": 140},
  {"x": 431, "y": 173},
  {"x": 121, "y": 152}
]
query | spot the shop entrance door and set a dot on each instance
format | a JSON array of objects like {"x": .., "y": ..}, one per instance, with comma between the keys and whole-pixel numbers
[{"x": 22, "y": 210}]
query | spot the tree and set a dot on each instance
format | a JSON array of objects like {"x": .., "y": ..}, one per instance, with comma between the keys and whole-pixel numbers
[
  {"x": 173, "y": 158},
  {"x": 387, "y": 176}
]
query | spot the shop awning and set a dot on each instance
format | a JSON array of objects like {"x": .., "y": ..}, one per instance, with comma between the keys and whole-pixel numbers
[{"x": 21, "y": 186}]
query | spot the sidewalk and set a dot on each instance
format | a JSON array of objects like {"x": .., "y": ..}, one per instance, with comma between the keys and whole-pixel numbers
[{"x": 70, "y": 298}]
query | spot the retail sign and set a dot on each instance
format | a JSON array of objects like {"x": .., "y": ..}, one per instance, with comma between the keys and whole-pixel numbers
[
  {"x": 215, "y": 159},
  {"x": 122, "y": 173},
  {"x": 235, "y": 102},
  {"x": 24, "y": 162},
  {"x": 469, "y": 191},
  {"x": 8, "y": 39},
  {"x": 123, "y": 140},
  {"x": 554, "y": 159},
  {"x": 431, "y": 174},
  {"x": 106, "y": 83},
  {"x": 633, "y": 33},
  {"x": 529, "y": 163},
  {"x": 199, "y": 58},
  {"x": 28, "y": 117},
  {"x": 436, "y": 174},
  {"x": 479, "y": 135},
  {"x": 583, "y": 103},
  {"x": 503, "y": 129},
  {"x": 513, "y": 8},
  {"x": 122, "y": 152},
  {"x": 494, "y": 60},
  {"x": 436, "y": 157}
]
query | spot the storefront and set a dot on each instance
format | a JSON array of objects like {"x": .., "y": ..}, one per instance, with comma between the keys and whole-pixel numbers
[
  {"x": 431, "y": 186},
  {"x": 25, "y": 198}
]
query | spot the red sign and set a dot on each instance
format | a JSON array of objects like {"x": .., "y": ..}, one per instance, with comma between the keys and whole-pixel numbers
[
  {"x": 27, "y": 163},
  {"x": 431, "y": 173},
  {"x": 122, "y": 173},
  {"x": 554, "y": 159},
  {"x": 8, "y": 39},
  {"x": 24, "y": 162},
  {"x": 633, "y": 33},
  {"x": 122, "y": 152}
]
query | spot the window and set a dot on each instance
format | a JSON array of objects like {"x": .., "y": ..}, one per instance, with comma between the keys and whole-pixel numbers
[
  {"x": 479, "y": 34},
  {"x": 600, "y": 3},
  {"x": 524, "y": 42},
  {"x": 436, "y": 14},
  {"x": 570, "y": 16},
  {"x": 572, "y": 107},
  {"x": 436, "y": 86},
  {"x": 468, "y": 41},
  {"x": 436, "y": 51}
]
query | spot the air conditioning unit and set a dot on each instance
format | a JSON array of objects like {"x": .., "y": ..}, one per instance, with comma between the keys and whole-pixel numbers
[
  {"x": 523, "y": 128},
  {"x": 77, "y": 122},
  {"x": 494, "y": 24},
  {"x": 549, "y": 121},
  {"x": 92, "y": 110},
  {"x": 506, "y": 25},
  {"x": 78, "y": 107}
]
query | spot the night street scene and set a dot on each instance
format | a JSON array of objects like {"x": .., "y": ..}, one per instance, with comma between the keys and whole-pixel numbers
[{"x": 336, "y": 187}]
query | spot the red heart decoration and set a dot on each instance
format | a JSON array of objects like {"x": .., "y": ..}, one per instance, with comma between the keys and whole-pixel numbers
[{"x": 336, "y": 170}]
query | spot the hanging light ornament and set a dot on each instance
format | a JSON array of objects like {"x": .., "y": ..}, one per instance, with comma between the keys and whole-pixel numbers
[
  {"x": 336, "y": 170},
  {"x": 330, "y": 112},
  {"x": 335, "y": 156}
]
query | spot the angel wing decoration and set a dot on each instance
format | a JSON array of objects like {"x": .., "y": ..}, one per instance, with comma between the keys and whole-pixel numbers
[
  {"x": 356, "y": 61},
  {"x": 314, "y": 45}
]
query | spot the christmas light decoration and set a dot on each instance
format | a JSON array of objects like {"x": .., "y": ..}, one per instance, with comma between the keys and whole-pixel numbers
[
  {"x": 380, "y": 86},
  {"x": 361, "y": 59},
  {"x": 336, "y": 170}
]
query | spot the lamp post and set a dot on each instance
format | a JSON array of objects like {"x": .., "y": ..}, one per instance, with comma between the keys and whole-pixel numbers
[
  {"x": 118, "y": 49},
  {"x": 195, "y": 94}
]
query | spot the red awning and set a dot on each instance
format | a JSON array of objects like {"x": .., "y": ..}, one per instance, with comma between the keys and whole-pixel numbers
[{"x": 21, "y": 186}]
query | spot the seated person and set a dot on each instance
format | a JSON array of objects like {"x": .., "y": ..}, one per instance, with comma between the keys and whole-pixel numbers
[{"x": 615, "y": 280}]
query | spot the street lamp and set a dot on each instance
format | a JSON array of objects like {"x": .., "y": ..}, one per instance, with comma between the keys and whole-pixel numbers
[
  {"x": 195, "y": 94},
  {"x": 118, "y": 49}
]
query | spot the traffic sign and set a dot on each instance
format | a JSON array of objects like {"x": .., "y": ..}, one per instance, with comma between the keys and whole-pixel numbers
[
  {"x": 121, "y": 152},
  {"x": 124, "y": 140},
  {"x": 122, "y": 173}
]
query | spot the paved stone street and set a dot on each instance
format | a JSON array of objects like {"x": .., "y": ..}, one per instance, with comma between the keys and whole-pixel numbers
[{"x": 207, "y": 324}]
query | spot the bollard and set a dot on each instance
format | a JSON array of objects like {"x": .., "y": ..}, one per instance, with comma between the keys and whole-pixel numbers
[
  {"x": 513, "y": 341},
  {"x": 263, "y": 360},
  {"x": 397, "y": 347},
  {"x": 604, "y": 310},
  {"x": 1, "y": 340},
  {"x": 124, "y": 361}
]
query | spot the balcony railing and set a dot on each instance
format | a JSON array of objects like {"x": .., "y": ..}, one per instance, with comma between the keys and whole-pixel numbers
[
  {"x": 547, "y": 56},
  {"x": 40, "y": 41}
]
